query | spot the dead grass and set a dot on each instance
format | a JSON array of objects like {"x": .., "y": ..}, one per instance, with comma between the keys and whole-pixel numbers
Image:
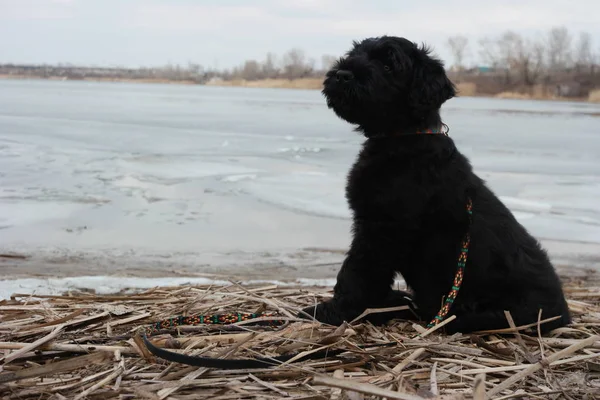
[
  {"x": 594, "y": 96},
  {"x": 304, "y": 83},
  {"x": 82, "y": 345},
  {"x": 513, "y": 95},
  {"x": 466, "y": 89}
]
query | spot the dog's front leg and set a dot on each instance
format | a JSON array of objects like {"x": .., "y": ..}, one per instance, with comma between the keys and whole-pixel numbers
[{"x": 363, "y": 282}]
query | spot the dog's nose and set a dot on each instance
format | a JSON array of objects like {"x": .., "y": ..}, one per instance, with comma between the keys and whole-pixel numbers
[{"x": 344, "y": 75}]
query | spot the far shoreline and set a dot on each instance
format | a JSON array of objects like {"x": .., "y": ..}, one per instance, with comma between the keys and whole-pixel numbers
[{"x": 298, "y": 84}]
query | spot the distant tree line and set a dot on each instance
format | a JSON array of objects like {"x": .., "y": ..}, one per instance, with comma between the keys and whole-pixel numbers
[
  {"x": 191, "y": 72},
  {"x": 294, "y": 64},
  {"x": 554, "y": 62}
]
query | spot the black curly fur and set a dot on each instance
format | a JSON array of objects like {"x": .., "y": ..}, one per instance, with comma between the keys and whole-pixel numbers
[{"x": 408, "y": 193}]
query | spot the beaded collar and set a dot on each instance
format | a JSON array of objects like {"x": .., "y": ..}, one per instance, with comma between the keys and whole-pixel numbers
[{"x": 444, "y": 131}]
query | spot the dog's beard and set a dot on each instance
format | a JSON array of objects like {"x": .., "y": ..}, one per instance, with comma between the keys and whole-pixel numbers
[
  {"x": 345, "y": 109},
  {"x": 345, "y": 102}
]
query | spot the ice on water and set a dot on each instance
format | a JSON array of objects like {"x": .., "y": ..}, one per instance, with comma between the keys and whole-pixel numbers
[{"x": 169, "y": 171}]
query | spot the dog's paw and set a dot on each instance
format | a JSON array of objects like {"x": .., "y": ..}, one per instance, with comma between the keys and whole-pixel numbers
[
  {"x": 400, "y": 298},
  {"x": 325, "y": 312},
  {"x": 333, "y": 313}
]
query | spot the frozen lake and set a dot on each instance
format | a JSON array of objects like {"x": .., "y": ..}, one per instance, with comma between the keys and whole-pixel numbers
[{"x": 148, "y": 180}]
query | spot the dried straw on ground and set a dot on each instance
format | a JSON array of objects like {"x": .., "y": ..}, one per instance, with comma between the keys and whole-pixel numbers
[{"x": 84, "y": 346}]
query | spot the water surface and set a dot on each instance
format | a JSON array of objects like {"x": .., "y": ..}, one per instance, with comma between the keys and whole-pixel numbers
[{"x": 97, "y": 178}]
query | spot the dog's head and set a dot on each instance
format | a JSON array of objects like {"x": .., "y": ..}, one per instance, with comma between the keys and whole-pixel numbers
[{"x": 388, "y": 85}]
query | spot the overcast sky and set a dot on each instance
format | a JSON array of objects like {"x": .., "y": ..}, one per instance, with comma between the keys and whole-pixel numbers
[{"x": 224, "y": 33}]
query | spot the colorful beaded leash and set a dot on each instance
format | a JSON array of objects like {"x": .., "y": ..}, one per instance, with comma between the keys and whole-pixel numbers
[
  {"x": 458, "y": 278},
  {"x": 212, "y": 319}
]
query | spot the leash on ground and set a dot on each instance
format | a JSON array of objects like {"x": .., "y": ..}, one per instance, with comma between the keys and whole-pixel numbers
[
  {"x": 265, "y": 362},
  {"x": 227, "y": 319}
]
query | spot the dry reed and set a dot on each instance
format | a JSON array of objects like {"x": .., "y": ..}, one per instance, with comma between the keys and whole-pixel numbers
[
  {"x": 594, "y": 96},
  {"x": 84, "y": 346},
  {"x": 466, "y": 89},
  {"x": 279, "y": 83}
]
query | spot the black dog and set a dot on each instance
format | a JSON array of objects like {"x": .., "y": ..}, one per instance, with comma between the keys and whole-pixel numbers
[{"x": 408, "y": 193}]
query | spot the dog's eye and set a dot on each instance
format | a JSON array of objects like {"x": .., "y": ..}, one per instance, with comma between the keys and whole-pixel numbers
[{"x": 387, "y": 68}]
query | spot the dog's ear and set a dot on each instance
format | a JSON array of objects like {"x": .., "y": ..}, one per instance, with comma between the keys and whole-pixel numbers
[{"x": 430, "y": 86}]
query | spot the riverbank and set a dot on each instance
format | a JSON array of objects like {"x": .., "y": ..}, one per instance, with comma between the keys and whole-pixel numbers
[
  {"x": 99, "y": 79},
  {"x": 304, "y": 83},
  {"x": 465, "y": 89}
]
